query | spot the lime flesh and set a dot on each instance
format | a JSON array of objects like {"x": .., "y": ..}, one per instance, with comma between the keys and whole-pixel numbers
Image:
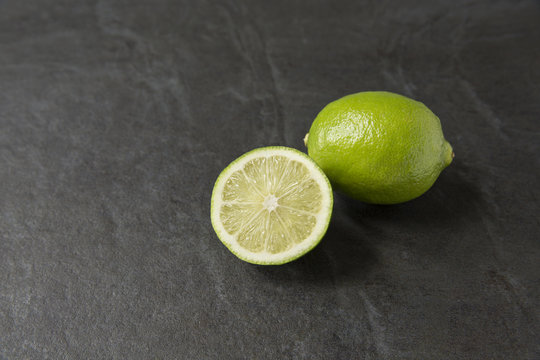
[{"x": 271, "y": 205}]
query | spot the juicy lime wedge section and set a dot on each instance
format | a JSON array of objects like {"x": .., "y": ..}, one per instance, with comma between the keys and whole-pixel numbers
[{"x": 271, "y": 205}]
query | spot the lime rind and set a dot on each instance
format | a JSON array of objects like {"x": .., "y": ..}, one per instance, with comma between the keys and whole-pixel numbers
[
  {"x": 322, "y": 217},
  {"x": 379, "y": 147}
]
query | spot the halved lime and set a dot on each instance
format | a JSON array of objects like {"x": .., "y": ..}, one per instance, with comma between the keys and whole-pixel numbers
[{"x": 271, "y": 205}]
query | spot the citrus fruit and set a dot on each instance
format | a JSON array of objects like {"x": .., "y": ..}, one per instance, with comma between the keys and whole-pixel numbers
[
  {"x": 271, "y": 205},
  {"x": 379, "y": 147}
]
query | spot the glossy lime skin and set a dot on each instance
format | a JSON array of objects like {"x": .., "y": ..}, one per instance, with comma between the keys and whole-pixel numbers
[{"x": 379, "y": 147}]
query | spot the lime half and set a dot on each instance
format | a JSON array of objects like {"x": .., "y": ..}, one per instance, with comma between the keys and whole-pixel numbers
[{"x": 271, "y": 205}]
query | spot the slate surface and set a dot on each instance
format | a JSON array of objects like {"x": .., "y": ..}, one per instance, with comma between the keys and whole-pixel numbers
[{"x": 117, "y": 116}]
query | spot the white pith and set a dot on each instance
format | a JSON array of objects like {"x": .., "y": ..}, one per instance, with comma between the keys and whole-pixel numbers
[{"x": 270, "y": 203}]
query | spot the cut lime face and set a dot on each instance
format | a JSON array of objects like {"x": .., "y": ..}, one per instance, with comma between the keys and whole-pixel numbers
[{"x": 271, "y": 205}]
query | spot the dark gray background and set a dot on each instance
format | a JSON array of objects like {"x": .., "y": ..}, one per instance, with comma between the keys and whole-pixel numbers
[{"x": 116, "y": 117}]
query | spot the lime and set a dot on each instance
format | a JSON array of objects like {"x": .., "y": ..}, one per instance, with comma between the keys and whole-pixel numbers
[
  {"x": 379, "y": 147},
  {"x": 271, "y": 205}
]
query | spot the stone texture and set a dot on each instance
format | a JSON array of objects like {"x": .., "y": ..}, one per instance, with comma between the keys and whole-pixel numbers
[{"x": 117, "y": 116}]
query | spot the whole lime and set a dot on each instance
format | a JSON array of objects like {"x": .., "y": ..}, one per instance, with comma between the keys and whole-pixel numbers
[{"x": 379, "y": 147}]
